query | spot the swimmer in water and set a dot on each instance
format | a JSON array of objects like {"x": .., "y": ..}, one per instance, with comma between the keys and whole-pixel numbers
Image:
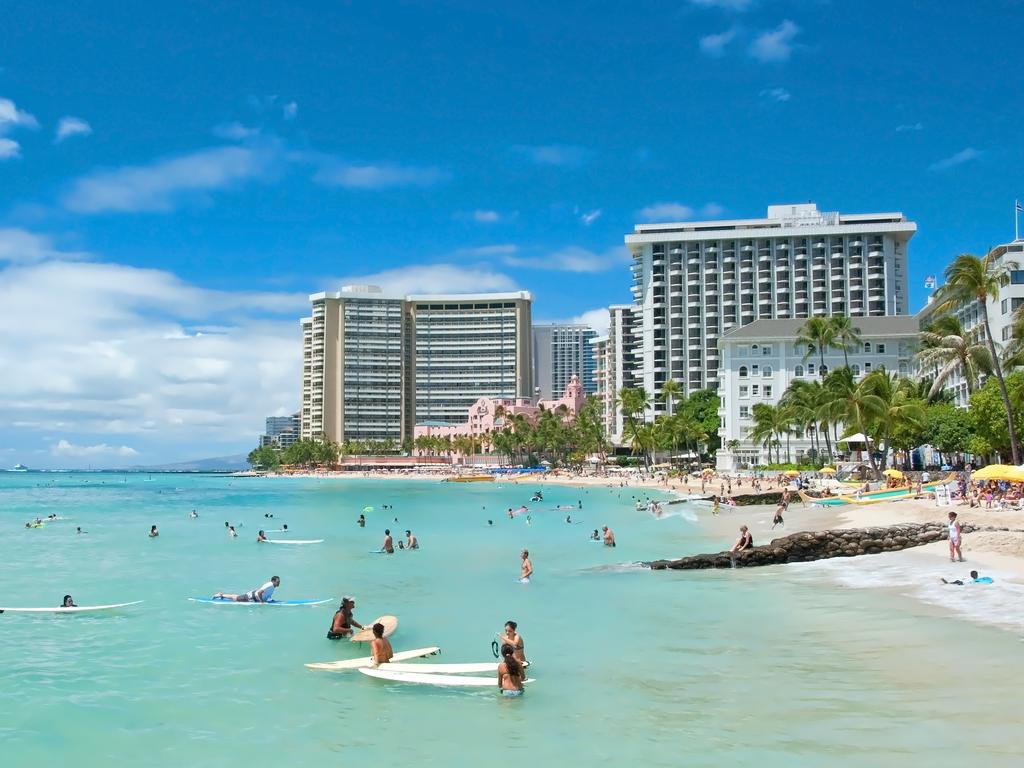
[
  {"x": 411, "y": 542},
  {"x": 609, "y": 536},
  {"x": 343, "y": 621},
  {"x": 231, "y": 532},
  {"x": 568, "y": 519},
  {"x": 380, "y": 646},
  {"x": 510, "y": 673},
  {"x": 975, "y": 579},
  {"x": 261, "y": 537},
  {"x": 595, "y": 536},
  {"x": 68, "y": 602},
  {"x": 361, "y": 522},
  {"x": 389, "y": 544},
  {"x": 512, "y": 637},
  {"x": 153, "y": 532}
]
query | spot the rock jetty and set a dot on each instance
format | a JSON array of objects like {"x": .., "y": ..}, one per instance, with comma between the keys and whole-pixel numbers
[{"x": 820, "y": 545}]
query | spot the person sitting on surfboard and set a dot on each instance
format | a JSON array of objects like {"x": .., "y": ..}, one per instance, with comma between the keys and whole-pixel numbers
[
  {"x": 261, "y": 595},
  {"x": 389, "y": 544},
  {"x": 510, "y": 673},
  {"x": 261, "y": 537},
  {"x": 380, "y": 646},
  {"x": 69, "y": 602},
  {"x": 343, "y": 622}
]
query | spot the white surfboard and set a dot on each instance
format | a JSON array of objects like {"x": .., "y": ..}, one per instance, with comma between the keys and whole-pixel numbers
[
  {"x": 441, "y": 669},
  {"x": 464, "y": 681},
  {"x": 294, "y": 541},
  {"x": 367, "y": 661},
  {"x": 285, "y": 603},
  {"x": 75, "y": 609},
  {"x": 366, "y": 635}
]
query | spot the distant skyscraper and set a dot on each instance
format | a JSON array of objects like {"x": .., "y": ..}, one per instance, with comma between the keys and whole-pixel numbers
[
  {"x": 694, "y": 281},
  {"x": 560, "y": 352},
  {"x": 615, "y": 362},
  {"x": 282, "y": 431}
]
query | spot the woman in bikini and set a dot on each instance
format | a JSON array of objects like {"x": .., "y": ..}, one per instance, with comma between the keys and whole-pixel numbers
[{"x": 510, "y": 673}]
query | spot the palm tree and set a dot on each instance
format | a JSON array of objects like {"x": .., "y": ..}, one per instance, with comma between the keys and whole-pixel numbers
[
  {"x": 846, "y": 336},
  {"x": 816, "y": 332},
  {"x": 970, "y": 278},
  {"x": 860, "y": 405},
  {"x": 899, "y": 406},
  {"x": 670, "y": 392},
  {"x": 948, "y": 348},
  {"x": 770, "y": 423},
  {"x": 633, "y": 401}
]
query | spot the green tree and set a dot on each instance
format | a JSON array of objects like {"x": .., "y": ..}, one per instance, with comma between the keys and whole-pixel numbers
[
  {"x": 845, "y": 335},
  {"x": 633, "y": 402},
  {"x": 702, "y": 406},
  {"x": 817, "y": 334},
  {"x": 989, "y": 415},
  {"x": 900, "y": 414},
  {"x": 949, "y": 428},
  {"x": 970, "y": 278},
  {"x": 770, "y": 423},
  {"x": 670, "y": 394},
  {"x": 946, "y": 348},
  {"x": 264, "y": 457}
]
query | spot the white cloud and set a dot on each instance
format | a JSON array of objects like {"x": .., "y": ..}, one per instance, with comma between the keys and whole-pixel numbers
[
  {"x": 19, "y": 246},
  {"x": 9, "y": 149},
  {"x": 725, "y": 5},
  {"x": 678, "y": 212},
  {"x": 909, "y": 127},
  {"x": 776, "y": 94},
  {"x": 109, "y": 350},
  {"x": 961, "y": 157},
  {"x": 290, "y": 110},
  {"x": 335, "y": 173},
  {"x": 63, "y": 448},
  {"x": 234, "y": 131},
  {"x": 164, "y": 184},
  {"x": 553, "y": 154},
  {"x": 590, "y": 217},
  {"x": 775, "y": 44},
  {"x": 11, "y": 117},
  {"x": 714, "y": 45},
  {"x": 71, "y": 126},
  {"x": 573, "y": 259},
  {"x": 486, "y": 217},
  {"x": 501, "y": 249},
  {"x": 435, "y": 278},
  {"x": 596, "y": 318}
]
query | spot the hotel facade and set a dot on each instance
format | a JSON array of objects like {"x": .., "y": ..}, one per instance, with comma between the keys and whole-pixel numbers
[
  {"x": 560, "y": 352},
  {"x": 694, "y": 282},
  {"x": 374, "y": 365}
]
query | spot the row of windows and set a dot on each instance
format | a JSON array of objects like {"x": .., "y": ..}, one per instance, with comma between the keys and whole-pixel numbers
[{"x": 756, "y": 390}]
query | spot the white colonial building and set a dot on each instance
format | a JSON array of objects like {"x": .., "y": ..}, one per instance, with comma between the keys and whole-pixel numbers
[{"x": 760, "y": 360}]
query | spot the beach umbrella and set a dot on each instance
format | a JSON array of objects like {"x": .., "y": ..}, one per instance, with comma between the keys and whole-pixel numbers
[
  {"x": 791, "y": 473},
  {"x": 996, "y": 472},
  {"x": 893, "y": 473},
  {"x": 827, "y": 470}
]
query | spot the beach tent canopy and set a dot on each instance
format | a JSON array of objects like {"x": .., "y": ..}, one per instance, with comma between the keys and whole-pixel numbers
[
  {"x": 860, "y": 437},
  {"x": 827, "y": 470},
  {"x": 999, "y": 472},
  {"x": 791, "y": 473},
  {"x": 893, "y": 473}
]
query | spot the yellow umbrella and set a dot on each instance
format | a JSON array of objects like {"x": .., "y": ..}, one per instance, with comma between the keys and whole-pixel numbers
[
  {"x": 791, "y": 473},
  {"x": 893, "y": 473},
  {"x": 997, "y": 472},
  {"x": 827, "y": 470}
]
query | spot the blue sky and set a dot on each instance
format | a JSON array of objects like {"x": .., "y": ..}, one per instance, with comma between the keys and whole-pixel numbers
[{"x": 176, "y": 178}]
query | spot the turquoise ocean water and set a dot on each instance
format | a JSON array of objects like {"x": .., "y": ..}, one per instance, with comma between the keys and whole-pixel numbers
[{"x": 751, "y": 667}]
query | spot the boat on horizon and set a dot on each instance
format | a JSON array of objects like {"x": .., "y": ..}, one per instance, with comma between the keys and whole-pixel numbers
[{"x": 19, "y": 468}]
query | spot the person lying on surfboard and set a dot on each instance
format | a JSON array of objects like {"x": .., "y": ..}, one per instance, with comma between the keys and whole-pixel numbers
[
  {"x": 342, "y": 624},
  {"x": 380, "y": 646},
  {"x": 261, "y": 595}
]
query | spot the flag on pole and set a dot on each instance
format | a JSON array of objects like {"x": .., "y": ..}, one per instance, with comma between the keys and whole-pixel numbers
[{"x": 929, "y": 282}]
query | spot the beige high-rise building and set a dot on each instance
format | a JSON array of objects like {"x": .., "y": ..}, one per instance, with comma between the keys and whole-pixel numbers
[
  {"x": 464, "y": 347},
  {"x": 353, "y": 360}
]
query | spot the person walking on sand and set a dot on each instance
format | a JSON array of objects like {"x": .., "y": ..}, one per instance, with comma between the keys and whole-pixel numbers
[
  {"x": 954, "y": 538},
  {"x": 526, "y": 567}
]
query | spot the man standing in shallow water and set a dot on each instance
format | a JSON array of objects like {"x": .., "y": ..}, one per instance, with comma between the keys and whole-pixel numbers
[
  {"x": 526, "y": 568},
  {"x": 389, "y": 544}
]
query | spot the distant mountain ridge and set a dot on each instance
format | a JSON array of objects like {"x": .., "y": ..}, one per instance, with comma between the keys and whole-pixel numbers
[{"x": 216, "y": 464}]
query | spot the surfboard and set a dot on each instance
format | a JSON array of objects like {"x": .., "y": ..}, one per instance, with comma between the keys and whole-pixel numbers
[
  {"x": 222, "y": 601},
  {"x": 436, "y": 669},
  {"x": 367, "y": 661},
  {"x": 364, "y": 636},
  {"x": 75, "y": 609},
  {"x": 466, "y": 681},
  {"x": 294, "y": 541}
]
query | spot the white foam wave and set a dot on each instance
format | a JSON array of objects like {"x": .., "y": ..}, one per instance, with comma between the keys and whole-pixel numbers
[{"x": 999, "y": 603}]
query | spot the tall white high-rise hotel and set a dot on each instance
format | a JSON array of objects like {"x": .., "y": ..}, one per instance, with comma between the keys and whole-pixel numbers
[{"x": 694, "y": 281}]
